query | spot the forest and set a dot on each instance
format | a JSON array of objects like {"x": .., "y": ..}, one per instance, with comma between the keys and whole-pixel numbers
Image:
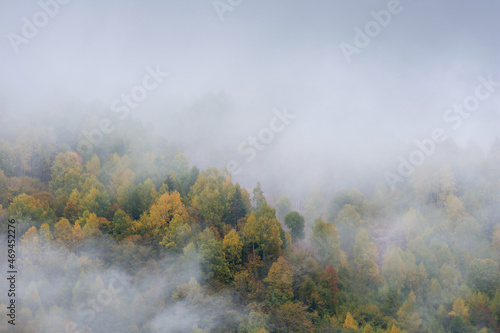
[{"x": 132, "y": 238}]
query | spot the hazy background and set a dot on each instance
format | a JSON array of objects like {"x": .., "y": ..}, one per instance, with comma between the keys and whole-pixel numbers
[{"x": 226, "y": 77}]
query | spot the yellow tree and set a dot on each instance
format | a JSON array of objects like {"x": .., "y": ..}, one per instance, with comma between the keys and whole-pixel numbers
[
  {"x": 395, "y": 329},
  {"x": 209, "y": 202},
  {"x": 63, "y": 233},
  {"x": 394, "y": 268},
  {"x": 91, "y": 227},
  {"x": 232, "y": 247},
  {"x": 263, "y": 235},
  {"x": 408, "y": 315},
  {"x": 45, "y": 234},
  {"x": 412, "y": 222},
  {"x": 177, "y": 234},
  {"x": 77, "y": 236},
  {"x": 26, "y": 207},
  {"x": 121, "y": 179},
  {"x": 162, "y": 212},
  {"x": 67, "y": 174},
  {"x": 93, "y": 167},
  {"x": 291, "y": 317},
  {"x": 95, "y": 201},
  {"x": 247, "y": 281},
  {"x": 71, "y": 209},
  {"x": 455, "y": 210},
  {"x": 350, "y": 322},
  {"x": 446, "y": 183},
  {"x": 279, "y": 281},
  {"x": 365, "y": 257},
  {"x": 459, "y": 309},
  {"x": 31, "y": 248}
]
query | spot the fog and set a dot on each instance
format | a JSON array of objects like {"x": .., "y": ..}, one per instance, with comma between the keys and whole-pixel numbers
[
  {"x": 354, "y": 116},
  {"x": 50, "y": 272},
  {"x": 333, "y": 103}
]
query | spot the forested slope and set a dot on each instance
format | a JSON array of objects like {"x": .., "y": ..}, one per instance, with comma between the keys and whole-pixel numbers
[{"x": 132, "y": 238}]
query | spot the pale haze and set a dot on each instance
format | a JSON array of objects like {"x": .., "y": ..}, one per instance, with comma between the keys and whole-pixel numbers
[{"x": 227, "y": 76}]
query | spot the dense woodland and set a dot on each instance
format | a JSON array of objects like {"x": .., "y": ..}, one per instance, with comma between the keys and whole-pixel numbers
[{"x": 131, "y": 238}]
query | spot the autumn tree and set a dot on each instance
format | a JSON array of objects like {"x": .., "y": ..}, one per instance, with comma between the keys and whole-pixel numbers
[
  {"x": 395, "y": 329},
  {"x": 121, "y": 182},
  {"x": 45, "y": 199},
  {"x": 393, "y": 268},
  {"x": 454, "y": 210},
  {"x": 247, "y": 281},
  {"x": 95, "y": 201},
  {"x": 77, "y": 237},
  {"x": 483, "y": 275},
  {"x": 232, "y": 247},
  {"x": 63, "y": 234},
  {"x": 208, "y": 200},
  {"x": 365, "y": 257},
  {"x": 93, "y": 167},
  {"x": 350, "y": 323},
  {"x": 459, "y": 309},
  {"x": 91, "y": 226},
  {"x": 25, "y": 207},
  {"x": 408, "y": 315},
  {"x": 411, "y": 222},
  {"x": 325, "y": 242},
  {"x": 46, "y": 237},
  {"x": 279, "y": 282},
  {"x": 177, "y": 234},
  {"x": 263, "y": 235},
  {"x": 71, "y": 210},
  {"x": 291, "y": 317},
  {"x": 480, "y": 314},
  {"x": 161, "y": 213},
  {"x": 67, "y": 174},
  {"x": 446, "y": 183},
  {"x": 328, "y": 289},
  {"x": 31, "y": 249}
]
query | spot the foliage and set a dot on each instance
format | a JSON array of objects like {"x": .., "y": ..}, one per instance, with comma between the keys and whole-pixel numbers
[
  {"x": 295, "y": 222},
  {"x": 422, "y": 257}
]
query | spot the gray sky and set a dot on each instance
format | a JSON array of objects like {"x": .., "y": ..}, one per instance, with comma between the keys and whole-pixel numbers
[{"x": 350, "y": 116}]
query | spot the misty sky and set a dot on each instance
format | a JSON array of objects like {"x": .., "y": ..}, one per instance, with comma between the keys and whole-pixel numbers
[{"x": 264, "y": 55}]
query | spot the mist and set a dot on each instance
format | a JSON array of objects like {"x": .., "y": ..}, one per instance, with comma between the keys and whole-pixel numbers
[
  {"x": 227, "y": 76},
  {"x": 379, "y": 116}
]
